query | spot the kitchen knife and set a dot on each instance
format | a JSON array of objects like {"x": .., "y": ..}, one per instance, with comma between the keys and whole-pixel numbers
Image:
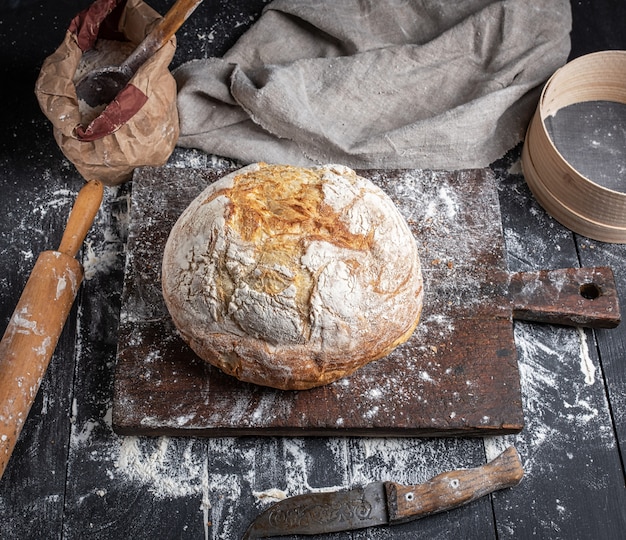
[{"x": 385, "y": 503}]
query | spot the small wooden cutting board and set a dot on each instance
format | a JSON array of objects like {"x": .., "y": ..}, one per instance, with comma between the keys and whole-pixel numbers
[{"x": 457, "y": 375}]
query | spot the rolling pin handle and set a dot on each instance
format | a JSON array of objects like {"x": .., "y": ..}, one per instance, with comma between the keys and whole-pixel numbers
[{"x": 81, "y": 217}]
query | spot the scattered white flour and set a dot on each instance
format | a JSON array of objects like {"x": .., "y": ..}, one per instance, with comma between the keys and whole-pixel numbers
[
  {"x": 61, "y": 285},
  {"x": 586, "y": 365},
  {"x": 158, "y": 465},
  {"x": 195, "y": 159},
  {"x": 169, "y": 468},
  {"x": 557, "y": 374},
  {"x": 494, "y": 446},
  {"x": 55, "y": 201},
  {"x": 103, "y": 255},
  {"x": 101, "y": 261},
  {"x": 270, "y": 495}
]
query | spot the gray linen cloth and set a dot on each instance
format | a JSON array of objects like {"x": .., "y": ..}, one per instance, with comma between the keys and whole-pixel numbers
[{"x": 431, "y": 84}]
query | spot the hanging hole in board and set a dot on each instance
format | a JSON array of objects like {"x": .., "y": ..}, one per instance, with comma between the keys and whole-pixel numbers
[{"x": 590, "y": 291}]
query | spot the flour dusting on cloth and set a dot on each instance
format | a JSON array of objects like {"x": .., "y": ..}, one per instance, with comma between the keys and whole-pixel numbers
[{"x": 386, "y": 84}]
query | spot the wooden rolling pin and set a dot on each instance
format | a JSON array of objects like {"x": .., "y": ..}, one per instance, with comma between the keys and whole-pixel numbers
[{"x": 36, "y": 324}]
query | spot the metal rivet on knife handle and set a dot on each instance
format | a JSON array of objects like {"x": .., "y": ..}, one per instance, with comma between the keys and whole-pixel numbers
[{"x": 452, "y": 489}]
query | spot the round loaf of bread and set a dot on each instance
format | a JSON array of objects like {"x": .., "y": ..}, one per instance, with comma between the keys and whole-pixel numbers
[{"x": 291, "y": 277}]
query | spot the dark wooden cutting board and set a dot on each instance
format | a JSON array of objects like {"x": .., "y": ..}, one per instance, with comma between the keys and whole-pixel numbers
[{"x": 457, "y": 375}]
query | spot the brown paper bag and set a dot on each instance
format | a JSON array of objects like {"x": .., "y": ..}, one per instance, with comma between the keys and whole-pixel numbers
[{"x": 140, "y": 127}]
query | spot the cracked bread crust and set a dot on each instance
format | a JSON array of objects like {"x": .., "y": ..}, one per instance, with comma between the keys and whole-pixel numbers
[{"x": 291, "y": 277}]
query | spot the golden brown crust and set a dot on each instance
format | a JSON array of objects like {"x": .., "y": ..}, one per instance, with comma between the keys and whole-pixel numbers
[{"x": 290, "y": 277}]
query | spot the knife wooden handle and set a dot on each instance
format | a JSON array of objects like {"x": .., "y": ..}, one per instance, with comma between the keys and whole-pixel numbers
[
  {"x": 38, "y": 319},
  {"x": 452, "y": 489}
]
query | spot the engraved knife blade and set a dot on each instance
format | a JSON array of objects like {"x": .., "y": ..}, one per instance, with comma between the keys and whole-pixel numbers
[
  {"x": 385, "y": 503},
  {"x": 317, "y": 513}
]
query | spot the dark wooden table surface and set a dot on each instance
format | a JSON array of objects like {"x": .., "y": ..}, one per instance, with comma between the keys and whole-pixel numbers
[{"x": 72, "y": 477}]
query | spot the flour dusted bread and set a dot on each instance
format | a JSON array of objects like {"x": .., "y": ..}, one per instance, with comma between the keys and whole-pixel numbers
[{"x": 290, "y": 277}]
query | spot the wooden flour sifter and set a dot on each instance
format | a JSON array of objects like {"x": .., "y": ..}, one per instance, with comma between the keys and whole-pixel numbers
[{"x": 36, "y": 324}]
